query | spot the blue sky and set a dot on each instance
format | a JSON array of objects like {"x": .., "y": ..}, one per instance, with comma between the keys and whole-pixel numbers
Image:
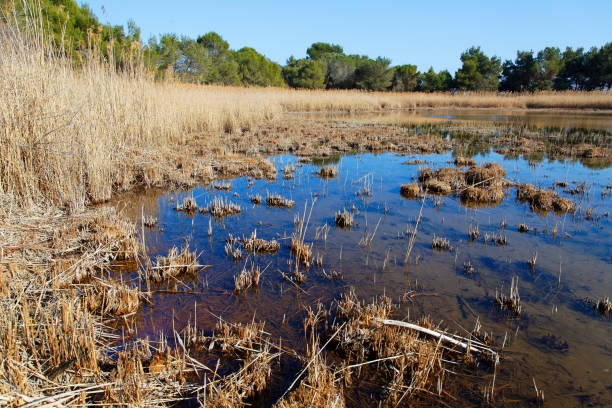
[{"x": 424, "y": 33}]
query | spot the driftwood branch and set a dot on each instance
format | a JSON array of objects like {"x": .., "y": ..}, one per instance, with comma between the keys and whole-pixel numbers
[{"x": 464, "y": 343}]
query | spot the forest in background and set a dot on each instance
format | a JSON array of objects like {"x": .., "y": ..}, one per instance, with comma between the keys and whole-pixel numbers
[{"x": 208, "y": 59}]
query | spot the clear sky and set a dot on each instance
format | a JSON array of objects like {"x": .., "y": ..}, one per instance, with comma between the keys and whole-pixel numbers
[{"x": 424, "y": 33}]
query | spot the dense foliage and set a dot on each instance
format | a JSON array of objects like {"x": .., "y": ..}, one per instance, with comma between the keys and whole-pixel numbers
[{"x": 209, "y": 60}]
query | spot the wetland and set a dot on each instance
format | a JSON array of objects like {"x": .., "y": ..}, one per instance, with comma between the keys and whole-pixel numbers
[{"x": 528, "y": 275}]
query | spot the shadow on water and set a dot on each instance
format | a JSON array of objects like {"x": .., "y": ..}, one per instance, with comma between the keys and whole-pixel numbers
[{"x": 558, "y": 340}]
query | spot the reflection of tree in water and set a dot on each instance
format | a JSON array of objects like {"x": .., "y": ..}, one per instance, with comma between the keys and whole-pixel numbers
[
  {"x": 323, "y": 161},
  {"x": 535, "y": 157},
  {"x": 579, "y": 136},
  {"x": 469, "y": 144},
  {"x": 596, "y": 163}
]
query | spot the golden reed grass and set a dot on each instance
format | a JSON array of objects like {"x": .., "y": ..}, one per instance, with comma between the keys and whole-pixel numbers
[{"x": 75, "y": 135}]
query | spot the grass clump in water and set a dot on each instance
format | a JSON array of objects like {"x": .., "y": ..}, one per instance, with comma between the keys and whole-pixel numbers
[
  {"x": 260, "y": 246},
  {"x": 344, "y": 219},
  {"x": 275, "y": 200},
  {"x": 440, "y": 243},
  {"x": 256, "y": 199},
  {"x": 512, "y": 302},
  {"x": 328, "y": 172},
  {"x": 410, "y": 357},
  {"x": 247, "y": 278},
  {"x": 411, "y": 190},
  {"x": 176, "y": 263},
  {"x": 544, "y": 200},
  {"x": 189, "y": 205},
  {"x": 221, "y": 207},
  {"x": 461, "y": 161},
  {"x": 602, "y": 306}
]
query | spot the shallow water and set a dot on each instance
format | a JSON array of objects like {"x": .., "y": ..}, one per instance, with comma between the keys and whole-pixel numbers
[
  {"x": 540, "y": 119},
  {"x": 574, "y": 261},
  {"x": 545, "y": 119}
]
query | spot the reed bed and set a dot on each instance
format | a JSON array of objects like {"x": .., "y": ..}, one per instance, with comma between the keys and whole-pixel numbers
[
  {"x": 58, "y": 305},
  {"x": 76, "y": 135}
]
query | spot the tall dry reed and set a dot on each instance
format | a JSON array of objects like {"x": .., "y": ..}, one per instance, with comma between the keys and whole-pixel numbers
[{"x": 73, "y": 135}]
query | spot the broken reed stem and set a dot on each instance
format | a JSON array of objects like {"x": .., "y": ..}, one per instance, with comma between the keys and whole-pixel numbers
[
  {"x": 312, "y": 360},
  {"x": 414, "y": 231}
]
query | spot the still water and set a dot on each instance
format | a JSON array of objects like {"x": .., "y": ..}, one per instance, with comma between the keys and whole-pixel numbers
[
  {"x": 537, "y": 119},
  {"x": 558, "y": 341}
]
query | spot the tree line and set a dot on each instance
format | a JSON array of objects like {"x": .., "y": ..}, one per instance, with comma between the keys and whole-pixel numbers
[{"x": 208, "y": 59}]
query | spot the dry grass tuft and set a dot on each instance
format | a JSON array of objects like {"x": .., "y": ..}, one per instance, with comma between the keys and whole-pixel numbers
[
  {"x": 328, "y": 172},
  {"x": 302, "y": 251},
  {"x": 189, "y": 205},
  {"x": 479, "y": 195},
  {"x": 440, "y": 243},
  {"x": 473, "y": 232},
  {"x": 247, "y": 278},
  {"x": 464, "y": 162},
  {"x": 246, "y": 343},
  {"x": 544, "y": 200},
  {"x": 288, "y": 171},
  {"x": 149, "y": 221},
  {"x": 433, "y": 185},
  {"x": 256, "y": 199},
  {"x": 275, "y": 200},
  {"x": 221, "y": 207},
  {"x": 411, "y": 190},
  {"x": 235, "y": 253},
  {"x": 450, "y": 175},
  {"x": 602, "y": 306},
  {"x": 563, "y": 205},
  {"x": 176, "y": 263},
  {"x": 260, "y": 246},
  {"x": 512, "y": 302},
  {"x": 222, "y": 186},
  {"x": 489, "y": 174},
  {"x": 107, "y": 297},
  {"x": 425, "y": 174},
  {"x": 344, "y": 219}
]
